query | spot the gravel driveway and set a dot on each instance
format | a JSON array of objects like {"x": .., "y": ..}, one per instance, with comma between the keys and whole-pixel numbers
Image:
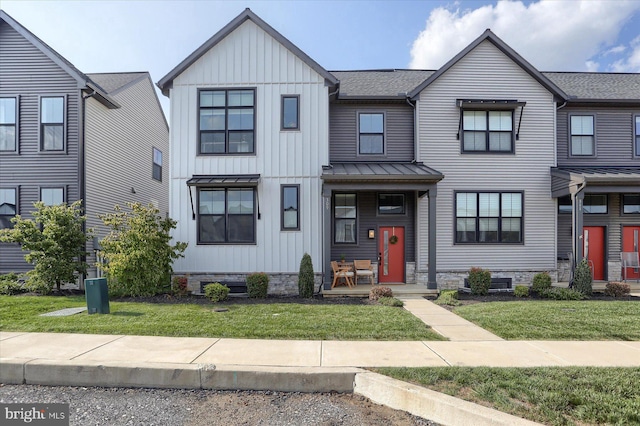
[{"x": 162, "y": 407}]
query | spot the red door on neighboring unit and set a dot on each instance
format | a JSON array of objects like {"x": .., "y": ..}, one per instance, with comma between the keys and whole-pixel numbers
[
  {"x": 631, "y": 242},
  {"x": 391, "y": 249},
  {"x": 593, "y": 249}
]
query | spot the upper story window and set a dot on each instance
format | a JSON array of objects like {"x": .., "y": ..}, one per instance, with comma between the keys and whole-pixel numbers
[
  {"x": 391, "y": 204},
  {"x": 489, "y": 217},
  {"x": 227, "y": 121},
  {"x": 582, "y": 135},
  {"x": 8, "y": 206},
  {"x": 631, "y": 203},
  {"x": 8, "y": 124},
  {"x": 52, "y": 196},
  {"x": 290, "y": 207},
  {"x": 591, "y": 204},
  {"x": 52, "y": 123},
  {"x": 487, "y": 131},
  {"x": 371, "y": 133},
  {"x": 344, "y": 218},
  {"x": 226, "y": 216},
  {"x": 290, "y": 112},
  {"x": 157, "y": 164},
  {"x": 636, "y": 141}
]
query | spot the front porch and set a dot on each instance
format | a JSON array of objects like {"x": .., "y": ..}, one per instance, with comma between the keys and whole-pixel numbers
[{"x": 399, "y": 290}]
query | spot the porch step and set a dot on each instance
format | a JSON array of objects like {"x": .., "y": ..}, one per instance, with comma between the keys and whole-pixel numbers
[{"x": 399, "y": 290}]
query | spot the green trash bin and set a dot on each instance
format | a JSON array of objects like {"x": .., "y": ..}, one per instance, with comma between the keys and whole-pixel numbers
[{"x": 97, "y": 294}]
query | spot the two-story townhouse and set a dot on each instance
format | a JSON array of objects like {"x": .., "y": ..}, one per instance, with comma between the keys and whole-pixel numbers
[
  {"x": 249, "y": 135},
  {"x": 373, "y": 179},
  {"x": 597, "y": 178},
  {"x": 486, "y": 121},
  {"x": 67, "y": 136}
]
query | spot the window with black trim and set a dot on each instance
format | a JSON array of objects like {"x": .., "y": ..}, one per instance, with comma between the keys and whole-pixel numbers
[
  {"x": 487, "y": 131},
  {"x": 631, "y": 203},
  {"x": 227, "y": 121},
  {"x": 8, "y": 206},
  {"x": 226, "y": 216},
  {"x": 582, "y": 135},
  {"x": 290, "y": 112},
  {"x": 157, "y": 164},
  {"x": 489, "y": 217},
  {"x": 591, "y": 204},
  {"x": 52, "y": 196},
  {"x": 8, "y": 127},
  {"x": 52, "y": 123},
  {"x": 636, "y": 142},
  {"x": 371, "y": 133},
  {"x": 290, "y": 196},
  {"x": 344, "y": 218},
  {"x": 391, "y": 204}
]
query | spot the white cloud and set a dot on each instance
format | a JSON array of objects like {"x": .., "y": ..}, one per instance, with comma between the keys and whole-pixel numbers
[
  {"x": 615, "y": 50},
  {"x": 551, "y": 35},
  {"x": 632, "y": 62}
]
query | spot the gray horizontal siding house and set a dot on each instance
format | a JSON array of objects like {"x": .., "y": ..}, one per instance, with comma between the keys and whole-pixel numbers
[{"x": 67, "y": 136}]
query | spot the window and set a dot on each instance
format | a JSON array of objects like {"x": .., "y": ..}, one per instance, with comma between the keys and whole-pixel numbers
[
  {"x": 8, "y": 208},
  {"x": 391, "y": 204},
  {"x": 226, "y": 216},
  {"x": 631, "y": 203},
  {"x": 290, "y": 112},
  {"x": 487, "y": 131},
  {"x": 592, "y": 204},
  {"x": 489, "y": 217},
  {"x": 52, "y": 123},
  {"x": 157, "y": 164},
  {"x": 290, "y": 207},
  {"x": 345, "y": 218},
  {"x": 226, "y": 121},
  {"x": 582, "y": 135},
  {"x": 8, "y": 124},
  {"x": 52, "y": 196},
  {"x": 371, "y": 138},
  {"x": 637, "y": 136}
]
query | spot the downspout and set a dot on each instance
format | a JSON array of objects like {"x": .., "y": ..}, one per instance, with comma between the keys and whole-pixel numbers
[
  {"x": 576, "y": 224},
  {"x": 82, "y": 181}
]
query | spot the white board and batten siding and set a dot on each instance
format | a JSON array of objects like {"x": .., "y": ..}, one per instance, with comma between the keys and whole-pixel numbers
[
  {"x": 486, "y": 73},
  {"x": 250, "y": 58}
]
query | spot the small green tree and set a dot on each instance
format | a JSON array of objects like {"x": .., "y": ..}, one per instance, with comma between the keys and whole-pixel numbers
[
  {"x": 541, "y": 282},
  {"x": 56, "y": 244},
  {"x": 582, "y": 278},
  {"x": 138, "y": 250},
  {"x": 305, "y": 277},
  {"x": 479, "y": 281}
]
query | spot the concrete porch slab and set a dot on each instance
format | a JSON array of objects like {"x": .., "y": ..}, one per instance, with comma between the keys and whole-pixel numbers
[
  {"x": 494, "y": 354},
  {"x": 595, "y": 354},
  {"x": 378, "y": 354},
  {"x": 299, "y": 353},
  {"x": 52, "y": 346}
]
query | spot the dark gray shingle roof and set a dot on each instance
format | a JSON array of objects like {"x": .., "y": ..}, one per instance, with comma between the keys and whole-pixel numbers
[
  {"x": 379, "y": 83},
  {"x": 597, "y": 85},
  {"x": 113, "y": 81}
]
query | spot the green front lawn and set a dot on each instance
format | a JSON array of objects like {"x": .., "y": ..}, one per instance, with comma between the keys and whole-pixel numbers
[
  {"x": 557, "y": 320},
  {"x": 552, "y": 395},
  {"x": 251, "y": 321}
]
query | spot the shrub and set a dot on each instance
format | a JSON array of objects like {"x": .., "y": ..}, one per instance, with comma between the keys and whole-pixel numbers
[
  {"x": 390, "y": 301},
  {"x": 521, "y": 291},
  {"x": 10, "y": 284},
  {"x": 617, "y": 289},
  {"x": 216, "y": 292},
  {"x": 559, "y": 293},
  {"x": 448, "y": 297},
  {"x": 479, "y": 281},
  {"x": 378, "y": 292},
  {"x": 541, "y": 282},
  {"x": 582, "y": 278},
  {"x": 305, "y": 277},
  {"x": 179, "y": 286},
  {"x": 257, "y": 285}
]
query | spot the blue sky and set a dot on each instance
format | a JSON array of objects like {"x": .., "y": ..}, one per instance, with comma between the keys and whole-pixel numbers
[{"x": 154, "y": 36}]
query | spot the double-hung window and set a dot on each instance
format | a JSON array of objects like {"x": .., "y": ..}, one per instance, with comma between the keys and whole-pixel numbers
[
  {"x": 8, "y": 124},
  {"x": 489, "y": 217},
  {"x": 290, "y": 112},
  {"x": 290, "y": 207},
  {"x": 52, "y": 196},
  {"x": 226, "y": 216},
  {"x": 344, "y": 218},
  {"x": 8, "y": 206},
  {"x": 636, "y": 140},
  {"x": 631, "y": 203},
  {"x": 157, "y": 164},
  {"x": 52, "y": 123},
  {"x": 487, "y": 131},
  {"x": 582, "y": 135},
  {"x": 227, "y": 121},
  {"x": 371, "y": 133}
]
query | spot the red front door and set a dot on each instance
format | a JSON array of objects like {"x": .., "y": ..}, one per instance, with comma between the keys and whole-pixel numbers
[
  {"x": 593, "y": 249},
  {"x": 391, "y": 248},
  {"x": 631, "y": 242}
]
